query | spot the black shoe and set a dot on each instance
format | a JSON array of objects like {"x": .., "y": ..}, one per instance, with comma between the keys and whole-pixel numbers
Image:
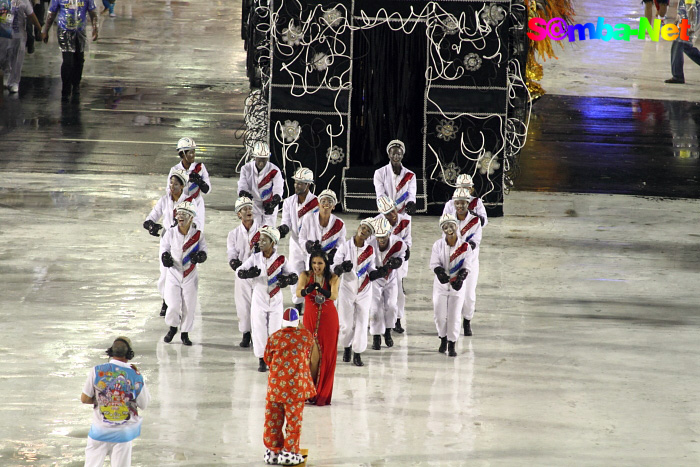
[
  {"x": 263, "y": 367},
  {"x": 467, "y": 327},
  {"x": 245, "y": 342},
  {"x": 387, "y": 338},
  {"x": 346, "y": 354},
  {"x": 185, "y": 338},
  {"x": 398, "y": 328},
  {"x": 451, "y": 352},
  {"x": 357, "y": 360},
  {"x": 443, "y": 345},
  {"x": 675, "y": 81},
  {"x": 169, "y": 336},
  {"x": 164, "y": 308},
  {"x": 376, "y": 342}
]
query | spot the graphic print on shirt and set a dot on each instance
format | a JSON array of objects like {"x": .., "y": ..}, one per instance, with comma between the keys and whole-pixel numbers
[
  {"x": 457, "y": 260},
  {"x": 364, "y": 259},
  {"x": 114, "y": 394},
  {"x": 328, "y": 242},
  {"x": 191, "y": 246},
  {"x": 264, "y": 189},
  {"x": 400, "y": 201},
  {"x": 273, "y": 272}
]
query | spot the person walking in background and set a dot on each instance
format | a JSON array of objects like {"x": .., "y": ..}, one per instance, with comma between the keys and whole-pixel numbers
[
  {"x": 70, "y": 17},
  {"x": 22, "y": 16},
  {"x": 687, "y": 10}
]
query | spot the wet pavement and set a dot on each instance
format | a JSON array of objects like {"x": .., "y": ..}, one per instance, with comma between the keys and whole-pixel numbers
[{"x": 585, "y": 338}]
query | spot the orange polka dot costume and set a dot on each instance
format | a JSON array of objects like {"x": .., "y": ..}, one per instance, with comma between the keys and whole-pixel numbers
[{"x": 289, "y": 385}]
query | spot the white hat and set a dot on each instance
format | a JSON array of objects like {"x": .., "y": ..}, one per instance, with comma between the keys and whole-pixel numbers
[
  {"x": 185, "y": 143},
  {"x": 328, "y": 193},
  {"x": 271, "y": 232},
  {"x": 385, "y": 204},
  {"x": 446, "y": 218},
  {"x": 187, "y": 207},
  {"x": 182, "y": 175},
  {"x": 461, "y": 193},
  {"x": 303, "y": 175},
  {"x": 382, "y": 228},
  {"x": 369, "y": 222},
  {"x": 464, "y": 181},
  {"x": 261, "y": 149},
  {"x": 242, "y": 202},
  {"x": 396, "y": 142}
]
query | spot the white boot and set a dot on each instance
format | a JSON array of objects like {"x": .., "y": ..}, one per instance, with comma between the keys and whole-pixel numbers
[
  {"x": 289, "y": 458},
  {"x": 271, "y": 457}
]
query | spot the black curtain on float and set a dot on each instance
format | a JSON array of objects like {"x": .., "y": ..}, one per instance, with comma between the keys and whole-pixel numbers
[{"x": 387, "y": 97}]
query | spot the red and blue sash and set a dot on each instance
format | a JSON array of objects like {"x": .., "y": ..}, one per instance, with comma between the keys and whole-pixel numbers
[
  {"x": 464, "y": 232},
  {"x": 194, "y": 188},
  {"x": 191, "y": 246},
  {"x": 364, "y": 260},
  {"x": 401, "y": 226},
  {"x": 401, "y": 199},
  {"x": 273, "y": 272},
  {"x": 395, "y": 248},
  {"x": 457, "y": 260},
  {"x": 263, "y": 189},
  {"x": 329, "y": 240}
]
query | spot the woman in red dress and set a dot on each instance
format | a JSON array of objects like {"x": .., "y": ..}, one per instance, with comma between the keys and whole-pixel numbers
[{"x": 319, "y": 287}]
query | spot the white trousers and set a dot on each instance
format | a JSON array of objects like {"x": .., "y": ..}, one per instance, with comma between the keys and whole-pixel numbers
[
  {"x": 400, "y": 296},
  {"x": 446, "y": 309},
  {"x": 161, "y": 280},
  {"x": 470, "y": 297},
  {"x": 262, "y": 218},
  {"x": 18, "y": 50},
  {"x": 353, "y": 314},
  {"x": 242, "y": 295},
  {"x": 96, "y": 452},
  {"x": 263, "y": 324},
  {"x": 383, "y": 312},
  {"x": 182, "y": 302},
  {"x": 297, "y": 263}
]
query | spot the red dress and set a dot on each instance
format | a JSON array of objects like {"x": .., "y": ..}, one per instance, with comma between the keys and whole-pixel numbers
[{"x": 322, "y": 321}]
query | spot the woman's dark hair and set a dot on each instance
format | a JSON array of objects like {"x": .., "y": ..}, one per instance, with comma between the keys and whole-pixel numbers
[{"x": 326, "y": 270}]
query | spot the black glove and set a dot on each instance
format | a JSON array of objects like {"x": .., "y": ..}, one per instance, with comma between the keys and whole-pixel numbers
[
  {"x": 245, "y": 193},
  {"x": 270, "y": 206},
  {"x": 481, "y": 218},
  {"x": 249, "y": 273},
  {"x": 167, "y": 259},
  {"x": 394, "y": 263},
  {"x": 347, "y": 265},
  {"x": 441, "y": 275},
  {"x": 472, "y": 244},
  {"x": 152, "y": 228},
  {"x": 313, "y": 245},
  {"x": 282, "y": 281},
  {"x": 456, "y": 284},
  {"x": 283, "y": 229},
  {"x": 196, "y": 178},
  {"x": 309, "y": 288},
  {"x": 331, "y": 255},
  {"x": 235, "y": 263},
  {"x": 379, "y": 273},
  {"x": 199, "y": 257},
  {"x": 324, "y": 292},
  {"x": 462, "y": 274},
  {"x": 291, "y": 278},
  {"x": 256, "y": 247},
  {"x": 338, "y": 270},
  {"x": 410, "y": 208},
  {"x": 408, "y": 254}
]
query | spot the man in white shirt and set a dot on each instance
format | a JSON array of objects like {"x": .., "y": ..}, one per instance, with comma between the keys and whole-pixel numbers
[
  {"x": 396, "y": 181},
  {"x": 198, "y": 181},
  {"x": 469, "y": 230},
  {"x": 262, "y": 181},
  {"x": 117, "y": 391},
  {"x": 322, "y": 230},
  {"x": 475, "y": 205},
  {"x": 182, "y": 248},
  {"x": 294, "y": 209},
  {"x": 268, "y": 272}
]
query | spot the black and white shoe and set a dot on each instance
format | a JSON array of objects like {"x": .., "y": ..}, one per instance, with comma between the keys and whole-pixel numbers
[
  {"x": 289, "y": 458},
  {"x": 271, "y": 457},
  {"x": 169, "y": 336}
]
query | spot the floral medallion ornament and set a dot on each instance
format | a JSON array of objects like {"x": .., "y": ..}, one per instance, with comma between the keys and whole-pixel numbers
[
  {"x": 446, "y": 130},
  {"x": 472, "y": 61},
  {"x": 292, "y": 35},
  {"x": 449, "y": 24},
  {"x": 449, "y": 173},
  {"x": 335, "y": 154},
  {"x": 488, "y": 163},
  {"x": 321, "y": 61},
  {"x": 290, "y": 131},
  {"x": 492, "y": 15},
  {"x": 332, "y": 17}
]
